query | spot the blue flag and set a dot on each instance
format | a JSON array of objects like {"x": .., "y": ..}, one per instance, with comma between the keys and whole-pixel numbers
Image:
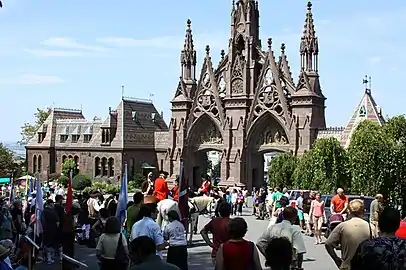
[
  {"x": 12, "y": 191},
  {"x": 121, "y": 213}
]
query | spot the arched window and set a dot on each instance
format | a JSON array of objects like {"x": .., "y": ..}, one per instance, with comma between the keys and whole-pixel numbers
[
  {"x": 64, "y": 158},
  {"x": 111, "y": 167},
  {"x": 104, "y": 166},
  {"x": 97, "y": 167},
  {"x": 39, "y": 163},
  {"x": 70, "y": 156},
  {"x": 34, "y": 164},
  {"x": 132, "y": 162},
  {"x": 76, "y": 159}
]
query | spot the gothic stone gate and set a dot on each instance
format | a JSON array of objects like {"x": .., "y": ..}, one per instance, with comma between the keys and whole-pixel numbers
[{"x": 247, "y": 105}]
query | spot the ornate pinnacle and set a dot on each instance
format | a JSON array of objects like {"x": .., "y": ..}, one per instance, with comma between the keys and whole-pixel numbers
[
  {"x": 207, "y": 49},
  {"x": 188, "y": 23},
  {"x": 222, "y": 53},
  {"x": 283, "y": 47},
  {"x": 269, "y": 42},
  {"x": 309, "y": 6}
]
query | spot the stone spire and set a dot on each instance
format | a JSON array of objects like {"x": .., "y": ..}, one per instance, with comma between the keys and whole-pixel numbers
[
  {"x": 309, "y": 46},
  {"x": 188, "y": 56}
]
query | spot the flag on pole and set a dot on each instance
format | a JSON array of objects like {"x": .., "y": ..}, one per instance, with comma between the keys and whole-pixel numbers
[
  {"x": 69, "y": 194},
  {"x": 121, "y": 213},
  {"x": 183, "y": 196},
  {"x": 39, "y": 206}
]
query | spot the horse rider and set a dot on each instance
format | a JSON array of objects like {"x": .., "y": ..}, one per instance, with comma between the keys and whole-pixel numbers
[
  {"x": 205, "y": 187},
  {"x": 161, "y": 190}
]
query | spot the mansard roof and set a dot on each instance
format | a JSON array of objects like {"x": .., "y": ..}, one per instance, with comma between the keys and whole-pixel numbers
[{"x": 367, "y": 109}]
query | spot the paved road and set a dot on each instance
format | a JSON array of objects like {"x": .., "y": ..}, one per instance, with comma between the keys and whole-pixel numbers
[{"x": 199, "y": 255}]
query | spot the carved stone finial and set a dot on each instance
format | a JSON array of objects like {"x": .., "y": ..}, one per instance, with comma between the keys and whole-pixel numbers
[
  {"x": 283, "y": 47},
  {"x": 269, "y": 42},
  {"x": 207, "y": 49},
  {"x": 188, "y": 23},
  {"x": 309, "y": 6},
  {"x": 222, "y": 53}
]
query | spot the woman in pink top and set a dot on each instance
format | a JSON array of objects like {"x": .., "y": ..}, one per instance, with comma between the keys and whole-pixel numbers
[{"x": 317, "y": 216}]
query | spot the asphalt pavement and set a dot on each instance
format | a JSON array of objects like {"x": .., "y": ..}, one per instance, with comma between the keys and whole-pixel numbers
[{"x": 316, "y": 257}]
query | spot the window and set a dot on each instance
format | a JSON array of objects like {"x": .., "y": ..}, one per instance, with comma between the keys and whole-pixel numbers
[
  {"x": 104, "y": 166},
  {"x": 87, "y": 138},
  {"x": 111, "y": 167},
  {"x": 39, "y": 163},
  {"x": 97, "y": 166},
  {"x": 64, "y": 138},
  {"x": 34, "y": 164},
  {"x": 76, "y": 159},
  {"x": 105, "y": 136},
  {"x": 362, "y": 111},
  {"x": 41, "y": 137},
  {"x": 75, "y": 138}
]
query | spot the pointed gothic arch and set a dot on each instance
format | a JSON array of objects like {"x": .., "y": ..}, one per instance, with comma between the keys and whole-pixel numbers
[
  {"x": 261, "y": 124},
  {"x": 34, "y": 164},
  {"x": 205, "y": 126}
]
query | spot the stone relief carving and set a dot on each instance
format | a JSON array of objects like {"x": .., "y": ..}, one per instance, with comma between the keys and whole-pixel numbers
[
  {"x": 211, "y": 136},
  {"x": 237, "y": 86},
  {"x": 272, "y": 137}
]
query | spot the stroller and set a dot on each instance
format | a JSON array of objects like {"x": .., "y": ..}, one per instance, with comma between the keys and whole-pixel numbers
[{"x": 333, "y": 222}]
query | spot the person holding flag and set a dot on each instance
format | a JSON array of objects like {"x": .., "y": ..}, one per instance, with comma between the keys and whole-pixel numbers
[
  {"x": 121, "y": 212},
  {"x": 183, "y": 196}
]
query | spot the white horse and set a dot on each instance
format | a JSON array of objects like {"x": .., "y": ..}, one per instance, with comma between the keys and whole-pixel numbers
[
  {"x": 163, "y": 208},
  {"x": 199, "y": 206}
]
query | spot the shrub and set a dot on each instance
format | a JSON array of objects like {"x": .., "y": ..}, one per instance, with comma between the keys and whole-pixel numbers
[
  {"x": 137, "y": 180},
  {"x": 63, "y": 180},
  {"x": 80, "y": 182},
  {"x": 111, "y": 189},
  {"x": 54, "y": 177}
]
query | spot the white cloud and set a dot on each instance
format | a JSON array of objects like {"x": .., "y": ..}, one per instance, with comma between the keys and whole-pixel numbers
[
  {"x": 54, "y": 53},
  {"x": 27, "y": 79},
  {"x": 216, "y": 41},
  {"x": 374, "y": 60},
  {"x": 70, "y": 43}
]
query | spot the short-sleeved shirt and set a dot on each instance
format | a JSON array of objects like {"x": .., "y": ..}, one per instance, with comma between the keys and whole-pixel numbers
[
  {"x": 132, "y": 213},
  {"x": 148, "y": 227},
  {"x": 219, "y": 228},
  {"x": 349, "y": 235},
  {"x": 276, "y": 196},
  {"x": 338, "y": 203},
  {"x": 107, "y": 245}
]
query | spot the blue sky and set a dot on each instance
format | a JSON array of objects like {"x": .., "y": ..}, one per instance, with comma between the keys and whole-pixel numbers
[{"x": 78, "y": 53}]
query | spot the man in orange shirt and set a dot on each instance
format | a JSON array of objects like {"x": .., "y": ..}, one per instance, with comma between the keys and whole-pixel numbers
[
  {"x": 161, "y": 189},
  {"x": 339, "y": 204},
  {"x": 175, "y": 190}
]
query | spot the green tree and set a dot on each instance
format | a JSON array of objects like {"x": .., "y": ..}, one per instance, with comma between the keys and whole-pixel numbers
[
  {"x": 28, "y": 130},
  {"x": 329, "y": 165},
  {"x": 281, "y": 169},
  {"x": 68, "y": 165},
  {"x": 137, "y": 180},
  {"x": 370, "y": 160},
  {"x": 80, "y": 182},
  {"x": 395, "y": 129},
  {"x": 303, "y": 174},
  {"x": 6, "y": 161}
]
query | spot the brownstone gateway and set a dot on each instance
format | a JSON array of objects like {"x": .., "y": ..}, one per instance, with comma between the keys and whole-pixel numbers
[{"x": 246, "y": 106}]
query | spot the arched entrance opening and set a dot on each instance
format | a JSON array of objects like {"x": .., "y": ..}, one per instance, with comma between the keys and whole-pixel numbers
[
  {"x": 204, "y": 156},
  {"x": 267, "y": 138}
]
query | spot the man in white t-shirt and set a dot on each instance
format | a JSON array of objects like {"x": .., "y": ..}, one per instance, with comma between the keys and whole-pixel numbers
[{"x": 286, "y": 229}]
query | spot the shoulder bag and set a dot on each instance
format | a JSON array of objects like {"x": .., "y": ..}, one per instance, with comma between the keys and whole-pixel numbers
[{"x": 121, "y": 257}]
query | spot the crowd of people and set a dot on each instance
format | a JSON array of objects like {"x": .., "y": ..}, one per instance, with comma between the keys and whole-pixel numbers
[{"x": 141, "y": 242}]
